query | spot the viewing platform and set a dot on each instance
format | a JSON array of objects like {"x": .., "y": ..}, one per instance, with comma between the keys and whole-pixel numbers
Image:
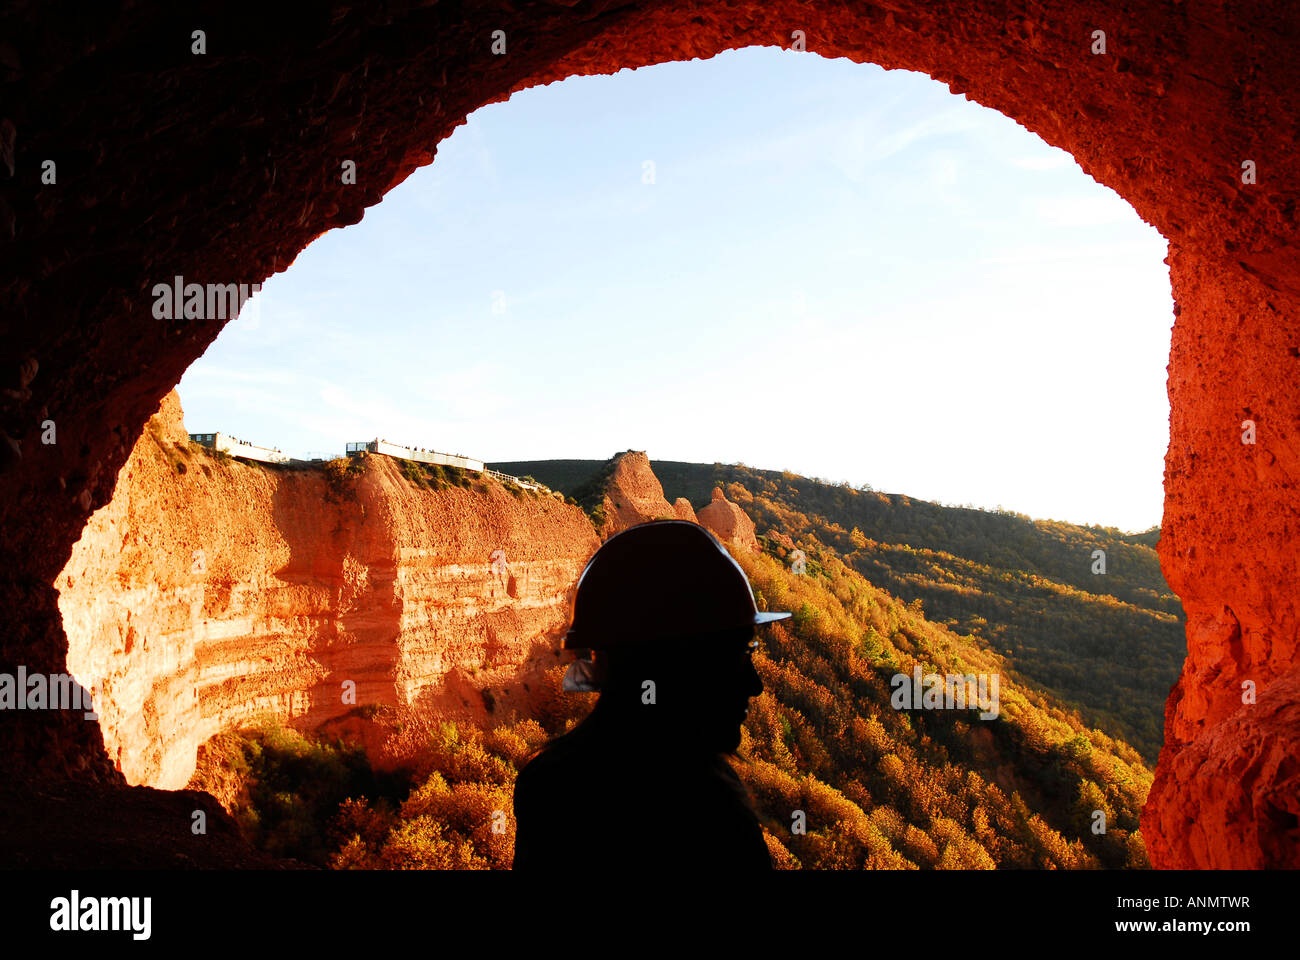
[
  {"x": 225, "y": 443},
  {"x": 419, "y": 455}
]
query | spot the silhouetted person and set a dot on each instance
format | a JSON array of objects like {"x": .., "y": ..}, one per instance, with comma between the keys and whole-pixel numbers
[{"x": 643, "y": 782}]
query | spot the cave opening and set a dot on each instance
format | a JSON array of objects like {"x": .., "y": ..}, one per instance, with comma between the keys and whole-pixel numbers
[
  {"x": 1142, "y": 117},
  {"x": 954, "y": 198}
]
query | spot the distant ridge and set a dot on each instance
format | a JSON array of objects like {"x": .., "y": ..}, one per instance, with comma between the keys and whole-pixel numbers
[{"x": 1110, "y": 645}]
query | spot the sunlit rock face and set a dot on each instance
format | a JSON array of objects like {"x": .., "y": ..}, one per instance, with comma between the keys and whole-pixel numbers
[
  {"x": 221, "y": 166},
  {"x": 633, "y": 494},
  {"x": 1227, "y": 787},
  {"x": 198, "y": 602},
  {"x": 729, "y": 523}
]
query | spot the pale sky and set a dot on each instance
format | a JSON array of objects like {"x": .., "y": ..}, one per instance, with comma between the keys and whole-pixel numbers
[{"x": 830, "y": 268}]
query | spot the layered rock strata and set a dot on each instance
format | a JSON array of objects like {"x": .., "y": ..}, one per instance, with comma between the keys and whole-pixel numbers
[{"x": 200, "y": 601}]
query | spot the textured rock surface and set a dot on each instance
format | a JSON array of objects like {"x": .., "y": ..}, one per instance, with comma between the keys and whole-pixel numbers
[
  {"x": 221, "y": 167},
  {"x": 729, "y": 523},
  {"x": 1224, "y": 795},
  {"x": 195, "y": 601},
  {"x": 782, "y": 540},
  {"x": 634, "y": 494},
  {"x": 1231, "y": 797}
]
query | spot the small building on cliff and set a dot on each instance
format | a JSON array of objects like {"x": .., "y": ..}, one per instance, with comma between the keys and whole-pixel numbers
[
  {"x": 419, "y": 455},
  {"x": 225, "y": 443}
]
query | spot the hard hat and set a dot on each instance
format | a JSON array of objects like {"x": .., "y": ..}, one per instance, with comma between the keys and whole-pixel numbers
[{"x": 660, "y": 580}]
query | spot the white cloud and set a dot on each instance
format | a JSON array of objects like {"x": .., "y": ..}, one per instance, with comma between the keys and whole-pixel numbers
[
  {"x": 1018, "y": 256},
  {"x": 943, "y": 168},
  {"x": 1043, "y": 161},
  {"x": 862, "y": 149},
  {"x": 1083, "y": 209}
]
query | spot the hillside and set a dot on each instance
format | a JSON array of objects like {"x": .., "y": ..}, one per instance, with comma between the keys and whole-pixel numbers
[
  {"x": 934, "y": 788},
  {"x": 210, "y": 591},
  {"x": 872, "y": 786},
  {"x": 219, "y": 609},
  {"x": 843, "y": 775},
  {"x": 1110, "y": 645}
]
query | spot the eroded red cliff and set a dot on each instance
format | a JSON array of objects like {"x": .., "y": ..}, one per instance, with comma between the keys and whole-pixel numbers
[
  {"x": 729, "y": 523},
  {"x": 633, "y": 494},
  {"x": 195, "y": 602}
]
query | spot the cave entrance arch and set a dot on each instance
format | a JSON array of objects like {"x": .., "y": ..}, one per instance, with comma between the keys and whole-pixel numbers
[{"x": 224, "y": 164}]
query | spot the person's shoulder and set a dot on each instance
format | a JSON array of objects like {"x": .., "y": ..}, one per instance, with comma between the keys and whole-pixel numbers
[
  {"x": 555, "y": 760},
  {"x": 535, "y": 769}
]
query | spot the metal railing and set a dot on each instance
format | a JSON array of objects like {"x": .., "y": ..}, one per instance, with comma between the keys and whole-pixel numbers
[{"x": 507, "y": 478}]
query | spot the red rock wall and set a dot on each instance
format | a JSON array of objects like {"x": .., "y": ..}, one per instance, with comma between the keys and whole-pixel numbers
[
  {"x": 222, "y": 167},
  {"x": 195, "y": 602},
  {"x": 634, "y": 495},
  {"x": 729, "y": 523},
  {"x": 1227, "y": 787}
]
